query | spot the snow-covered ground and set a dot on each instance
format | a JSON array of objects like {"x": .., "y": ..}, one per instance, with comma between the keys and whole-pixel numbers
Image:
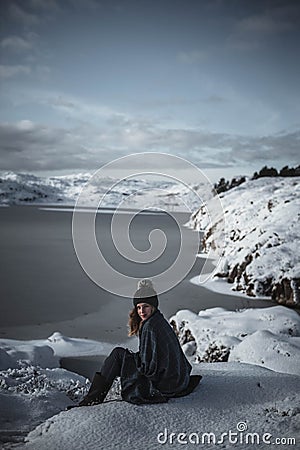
[
  {"x": 255, "y": 394},
  {"x": 261, "y": 240},
  {"x": 26, "y": 189},
  {"x": 246, "y": 402}
]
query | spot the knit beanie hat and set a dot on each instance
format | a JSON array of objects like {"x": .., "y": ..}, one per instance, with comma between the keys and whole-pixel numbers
[{"x": 145, "y": 293}]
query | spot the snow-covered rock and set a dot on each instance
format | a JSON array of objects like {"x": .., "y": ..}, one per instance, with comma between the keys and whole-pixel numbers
[
  {"x": 261, "y": 240},
  {"x": 269, "y": 337}
]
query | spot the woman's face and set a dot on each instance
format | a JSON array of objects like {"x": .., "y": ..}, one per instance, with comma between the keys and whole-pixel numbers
[{"x": 144, "y": 310}]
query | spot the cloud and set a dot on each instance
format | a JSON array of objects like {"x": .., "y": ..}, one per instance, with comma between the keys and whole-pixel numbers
[
  {"x": 180, "y": 101},
  {"x": 71, "y": 106},
  {"x": 17, "y": 43},
  {"x": 31, "y": 146},
  {"x": 278, "y": 149},
  {"x": 9, "y": 71}
]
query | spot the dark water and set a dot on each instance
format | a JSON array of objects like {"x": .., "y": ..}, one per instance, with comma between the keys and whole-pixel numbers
[{"x": 44, "y": 289}]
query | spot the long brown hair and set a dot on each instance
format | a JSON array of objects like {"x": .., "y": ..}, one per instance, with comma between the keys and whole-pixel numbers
[{"x": 135, "y": 322}]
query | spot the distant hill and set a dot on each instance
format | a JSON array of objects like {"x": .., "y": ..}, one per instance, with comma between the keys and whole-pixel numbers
[{"x": 27, "y": 189}]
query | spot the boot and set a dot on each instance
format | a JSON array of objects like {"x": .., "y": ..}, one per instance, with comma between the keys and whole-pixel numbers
[{"x": 97, "y": 392}]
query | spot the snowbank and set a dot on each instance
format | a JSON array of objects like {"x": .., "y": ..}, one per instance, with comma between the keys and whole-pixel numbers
[
  {"x": 47, "y": 352},
  {"x": 232, "y": 395},
  {"x": 268, "y": 337},
  {"x": 32, "y": 385},
  {"x": 265, "y": 348},
  {"x": 29, "y": 395},
  {"x": 261, "y": 247}
]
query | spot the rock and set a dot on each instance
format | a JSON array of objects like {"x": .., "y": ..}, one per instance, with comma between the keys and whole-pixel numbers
[{"x": 287, "y": 292}]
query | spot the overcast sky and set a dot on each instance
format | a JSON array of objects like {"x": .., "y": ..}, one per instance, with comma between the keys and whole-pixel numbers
[{"x": 87, "y": 81}]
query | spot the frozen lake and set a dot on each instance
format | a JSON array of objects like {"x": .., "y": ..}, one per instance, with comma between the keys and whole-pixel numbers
[{"x": 43, "y": 288}]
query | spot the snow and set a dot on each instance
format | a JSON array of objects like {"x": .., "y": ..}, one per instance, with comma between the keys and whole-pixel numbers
[
  {"x": 269, "y": 337},
  {"x": 221, "y": 286},
  {"x": 134, "y": 192},
  {"x": 26, "y": 189},
  {"x": 32, "y": 385},
  {"x": 29, "y": 395},
  {"x": 227, "y": 398},
  {"x": 267, "y": 349},
  {"x": 241, "y": 392},
  {"x": 46, "y": 353},
  {"x": 260, "y": 246}
]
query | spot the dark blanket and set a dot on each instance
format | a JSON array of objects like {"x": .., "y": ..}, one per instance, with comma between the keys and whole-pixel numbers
[{"x": 159, "y": 369}]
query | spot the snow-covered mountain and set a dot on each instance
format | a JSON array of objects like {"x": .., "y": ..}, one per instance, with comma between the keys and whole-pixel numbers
[
  {"x": 24, "y": 188},
  {"x": 20, "y": 189},
  {"x": 262, "y": 237}
]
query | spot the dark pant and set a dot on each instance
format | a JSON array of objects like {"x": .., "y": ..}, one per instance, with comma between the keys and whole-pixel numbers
[{"x": 112, "y": 365}]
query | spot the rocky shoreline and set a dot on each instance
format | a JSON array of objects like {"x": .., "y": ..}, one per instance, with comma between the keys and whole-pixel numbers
[{"x": 260, "y": 239}]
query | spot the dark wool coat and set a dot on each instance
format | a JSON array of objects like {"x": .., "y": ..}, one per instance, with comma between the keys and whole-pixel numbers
[{"x": 159, "y": 369}]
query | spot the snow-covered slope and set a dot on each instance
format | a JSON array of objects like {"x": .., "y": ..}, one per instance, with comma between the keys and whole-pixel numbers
[
  {"x": 246, "y": 402},
  {"x": 262, "y": 237}
]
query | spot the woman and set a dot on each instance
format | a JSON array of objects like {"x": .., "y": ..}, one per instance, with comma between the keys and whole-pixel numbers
[{"x": 159, "y": 369}]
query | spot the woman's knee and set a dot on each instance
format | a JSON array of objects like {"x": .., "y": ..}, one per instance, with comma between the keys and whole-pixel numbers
[{"x": 118, "y": 352}]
